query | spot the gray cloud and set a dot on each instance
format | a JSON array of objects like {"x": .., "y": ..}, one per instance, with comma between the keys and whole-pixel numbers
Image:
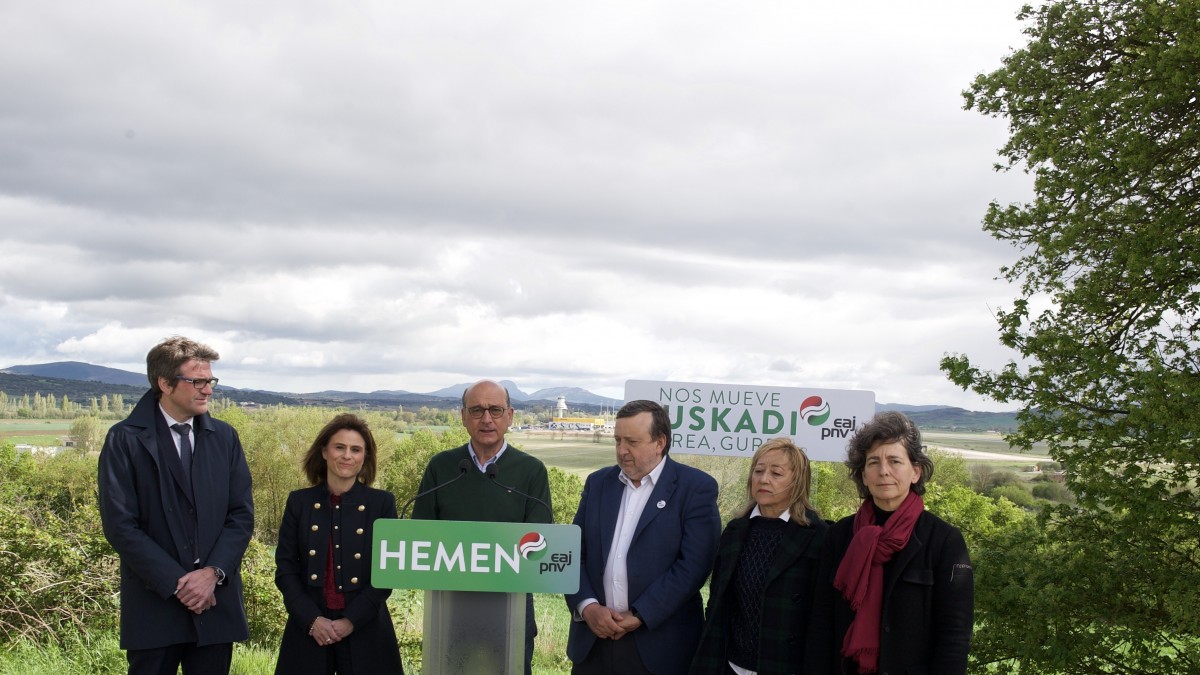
[{"x": 402, "y": 196}]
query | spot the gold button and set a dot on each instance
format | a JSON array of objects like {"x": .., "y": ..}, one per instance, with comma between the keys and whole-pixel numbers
[
  {"x": 317, "y": 505},
  {"x": 354, "y": 580},
  {"x": 339, "y": 567},
  {"x": 337, "y": 545},
  {"x": 315, "y": 528},
  {"x": 313, "y": 577},
  {"x": 358, "y": 531},
  {"x": 361, "y": 507},
  {"x": 357, "y": 556},
  {"x": 312, "y": 552}
]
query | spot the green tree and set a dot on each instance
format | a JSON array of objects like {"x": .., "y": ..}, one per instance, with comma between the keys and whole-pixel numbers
[
  {"x": 1102, "y": 107},
  {"x": 402, "y": 471},
  {"x": 275, "y": 440},
  {"x": 88, "y": 433},
  {"x": 565, "y": 490},
  {"x": 833, "y": 493},
  {"x": 949, "y": 468}
]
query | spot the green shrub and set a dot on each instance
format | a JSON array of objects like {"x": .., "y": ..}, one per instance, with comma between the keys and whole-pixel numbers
[
  {"x": 57, "y": 576},
  {"x": 565, "y": 491},
  {"x": 833, "y": 493},
  {"x": 265, "y": 611},
  {"x": 1017, "y": 494},
  {"x": 1052, "y": 491}
]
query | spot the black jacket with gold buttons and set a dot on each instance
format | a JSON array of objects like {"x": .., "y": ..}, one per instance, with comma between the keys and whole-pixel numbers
[{"x": 310, "y": 521}]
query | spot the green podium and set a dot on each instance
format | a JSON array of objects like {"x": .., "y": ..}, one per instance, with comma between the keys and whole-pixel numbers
[{"x": 475, "y": 575}]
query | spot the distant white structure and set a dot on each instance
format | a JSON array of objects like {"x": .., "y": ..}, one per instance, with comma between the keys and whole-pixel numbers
[
  {"x": 38, "y": 449},
  {"x": 560, "y": 408}
]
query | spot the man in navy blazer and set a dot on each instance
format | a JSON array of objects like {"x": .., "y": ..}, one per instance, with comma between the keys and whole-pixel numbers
[
  {"x": 176, "y": 505},
  {"x": 650, "y": 530}
]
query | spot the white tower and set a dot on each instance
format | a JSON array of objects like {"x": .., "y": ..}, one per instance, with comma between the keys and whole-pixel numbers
[{"x": 560, "y": 408}]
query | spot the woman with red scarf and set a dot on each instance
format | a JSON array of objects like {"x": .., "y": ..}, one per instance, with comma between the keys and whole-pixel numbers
[
  {"x": 895, "y": 592},
  {"x": 337, "y": 621}
]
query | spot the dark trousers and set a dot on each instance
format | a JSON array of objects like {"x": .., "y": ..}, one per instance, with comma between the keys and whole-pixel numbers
[
  {"x": 206, "y": 660},
  {"x": 612, "y": 656},
  {"x": 530, "y": 633}
]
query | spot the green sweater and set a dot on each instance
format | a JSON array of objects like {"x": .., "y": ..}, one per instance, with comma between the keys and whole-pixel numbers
[{"x": 475, "y": 497}]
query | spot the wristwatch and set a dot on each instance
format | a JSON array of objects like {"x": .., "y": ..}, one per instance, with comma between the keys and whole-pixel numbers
[{"x": 220, "y": 574}]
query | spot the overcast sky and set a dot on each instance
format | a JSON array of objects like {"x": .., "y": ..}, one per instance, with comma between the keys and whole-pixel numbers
[{"x": 403, "y": 195}]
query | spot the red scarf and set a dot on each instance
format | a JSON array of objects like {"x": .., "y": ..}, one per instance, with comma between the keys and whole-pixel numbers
[{"x": 860, "y": 575}]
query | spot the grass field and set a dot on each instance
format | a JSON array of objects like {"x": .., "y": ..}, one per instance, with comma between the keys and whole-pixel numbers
[
  {"x": 580, "y": 454},
  {"x": 33, "y": 432},
  {"x": 983, "y": 441}
]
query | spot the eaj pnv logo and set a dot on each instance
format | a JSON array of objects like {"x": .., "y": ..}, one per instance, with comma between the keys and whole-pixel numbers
[
  {"x": 453, "y": 555},
  {"x": 533, "y": 546},
  {"x": 814, "y": 410}
]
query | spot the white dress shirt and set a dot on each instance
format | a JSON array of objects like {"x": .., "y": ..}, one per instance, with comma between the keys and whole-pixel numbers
[
  {"x": 475, "y": 458},
  {"x": 616, "y": 569},
  {"x": 171, "y": 421}
]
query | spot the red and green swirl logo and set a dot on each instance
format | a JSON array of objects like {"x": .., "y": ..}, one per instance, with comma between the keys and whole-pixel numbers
[
  {"x": 814, "y": 410},
  {"x": 532, "y": 546}
]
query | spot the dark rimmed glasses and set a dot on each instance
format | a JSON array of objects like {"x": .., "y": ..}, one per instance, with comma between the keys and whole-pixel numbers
[
  {"x": 476, "y": 411},
  {"x": 200, "y": 382}
]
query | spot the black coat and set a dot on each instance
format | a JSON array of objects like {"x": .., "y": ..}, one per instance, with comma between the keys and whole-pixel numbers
[
  {"x": 160, "y": 525},
  {"x": 308, "y": 520},
  {"x": 787, "y": 598},
  {"x": 928, "y": 604}
]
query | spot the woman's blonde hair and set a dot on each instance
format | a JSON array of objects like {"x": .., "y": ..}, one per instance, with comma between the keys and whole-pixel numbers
[{"x": 799, "y": 499}]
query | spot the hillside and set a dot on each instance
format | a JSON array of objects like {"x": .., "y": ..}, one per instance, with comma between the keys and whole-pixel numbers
[{"x": 81, "y": 381}]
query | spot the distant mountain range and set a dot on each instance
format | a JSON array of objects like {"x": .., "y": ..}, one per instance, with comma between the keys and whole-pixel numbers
[
  {"x": 76, "y": 370},
  {"x": 81, "y": 381},
  {"x": 21, "y": 380}
]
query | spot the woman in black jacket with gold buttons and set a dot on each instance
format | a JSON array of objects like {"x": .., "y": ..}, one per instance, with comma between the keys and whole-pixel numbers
[{"x": 337, "y": 621}]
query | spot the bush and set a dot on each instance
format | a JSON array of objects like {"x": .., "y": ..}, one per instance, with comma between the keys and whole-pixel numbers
[
  {"x": 833, "y": 493},
  {"x": 400, "y": 469},
  {"x": 1017, "y": 494},
  {"x": 986, "y": 478},
  {"x": 565, "y": 490},
  {"x": 730, "y": 474},
  {"x": 950, "y": 469},
  {"x": 1055, "y": 492},
  {"x": 265, "y": 611},
  {"x": 57, "y": 576}
]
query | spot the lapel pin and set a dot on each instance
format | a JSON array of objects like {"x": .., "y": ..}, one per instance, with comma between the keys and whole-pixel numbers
[{"x": 662, "y": 503}]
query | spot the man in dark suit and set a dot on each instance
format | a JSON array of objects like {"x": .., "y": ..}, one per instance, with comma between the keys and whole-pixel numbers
[
  {"x": 650, "y": 530},
  {"x": 176, "y": 506}
]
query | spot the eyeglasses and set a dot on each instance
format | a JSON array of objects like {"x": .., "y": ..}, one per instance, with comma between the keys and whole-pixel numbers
[
  {"x": 476, "y": 412},
  {"x": 199, "y": 382}
]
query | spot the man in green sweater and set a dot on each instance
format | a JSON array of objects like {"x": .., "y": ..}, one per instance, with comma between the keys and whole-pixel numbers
[{"x": 487, "y": 413}]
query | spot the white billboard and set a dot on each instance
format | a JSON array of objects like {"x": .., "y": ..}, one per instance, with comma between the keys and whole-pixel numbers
[{"x": 734, "y": 419}]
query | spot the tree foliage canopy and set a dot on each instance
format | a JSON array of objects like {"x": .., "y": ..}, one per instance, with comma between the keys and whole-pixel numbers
[{"x": 1103, "y": 107}]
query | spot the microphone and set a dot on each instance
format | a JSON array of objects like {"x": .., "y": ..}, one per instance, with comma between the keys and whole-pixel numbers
[
  {"x": 464, "y": 465},
  {"x": 491, "y": 474}
]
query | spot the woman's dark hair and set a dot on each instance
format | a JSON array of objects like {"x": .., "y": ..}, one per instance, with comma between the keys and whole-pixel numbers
[
  {"x": 887, "y": 427},
  {"x": 660, "y": 424},
  {"x": 314, "y": 463}
]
